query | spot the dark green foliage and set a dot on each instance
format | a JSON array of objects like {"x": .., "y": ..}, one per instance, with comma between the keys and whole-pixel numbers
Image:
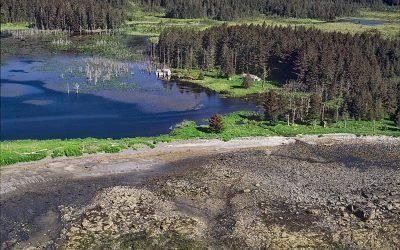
[
  {"x": 73, "y": 151},
  {"x": 397, "y": 118},
  {"x": 231, "y": 9},
  {"x": 247, "y": 82},
  {"x": 227, "y": 61},
  {"x": 57, "y": 153},
  {"x": 74, "y": 15},
  {"x": 110, "y": 149},
  {"x": 397, "y": 113},
  {"x": 201, "y": 76},
  {"x": 216, "y": 123},
  {"x": 314, "y": 112},
  {"x": 8, "y": 158},
  {"x": 273, "y": 106},
  {"x": 355, "y": 71},
  {"x": 69, "y": 151}
]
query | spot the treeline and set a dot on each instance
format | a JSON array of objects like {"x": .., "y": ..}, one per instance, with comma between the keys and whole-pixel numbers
[
  {"x": 351, "y": 74},
  {"x": 231, "y": 9},
  {"x": 75, "y": 15}
]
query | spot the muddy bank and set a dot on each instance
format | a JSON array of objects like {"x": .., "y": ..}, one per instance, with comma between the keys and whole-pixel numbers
[{"x": 306, "y": 192}]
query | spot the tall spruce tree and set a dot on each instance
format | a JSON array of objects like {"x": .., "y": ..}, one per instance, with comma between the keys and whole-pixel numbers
[
  {"x": 356, "y": 76},
  {"x": 272, "y": 106},
  {"x": 314, "y": 111}
]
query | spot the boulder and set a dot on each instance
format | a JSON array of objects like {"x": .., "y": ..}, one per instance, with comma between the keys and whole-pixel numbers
[{"x": 365, "y": 214}]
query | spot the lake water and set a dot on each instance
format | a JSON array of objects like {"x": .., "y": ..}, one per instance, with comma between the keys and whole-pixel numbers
[
  {"x": 367, "y": 22},
  {"x": 72, "y": 96}
]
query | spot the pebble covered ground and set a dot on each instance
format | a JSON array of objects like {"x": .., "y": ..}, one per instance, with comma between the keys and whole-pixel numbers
[{"x": 293, "y": 196}]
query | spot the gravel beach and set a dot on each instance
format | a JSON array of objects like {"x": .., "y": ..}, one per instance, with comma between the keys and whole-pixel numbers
[{"x": 338, "y": 191}]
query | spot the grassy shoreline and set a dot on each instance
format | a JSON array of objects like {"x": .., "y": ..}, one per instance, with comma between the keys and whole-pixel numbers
[
  {"x": 225, "y": 87},
  {"x": 237, "y": 125}
]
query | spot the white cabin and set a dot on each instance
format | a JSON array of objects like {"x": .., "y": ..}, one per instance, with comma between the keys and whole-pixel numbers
[{"x": 163, "y": 73}]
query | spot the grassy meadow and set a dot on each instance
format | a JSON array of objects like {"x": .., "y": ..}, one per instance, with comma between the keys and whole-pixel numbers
[
  {"x": 151, "y": 24},
  {"x": 14, "y": 26},
  {"x": 238, "y": 124},
  {"x": 222, "y": 85}
]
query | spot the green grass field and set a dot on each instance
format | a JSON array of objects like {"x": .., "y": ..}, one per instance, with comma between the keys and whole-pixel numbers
[
  {"x": 14, "y": 26},
  {"x": 151, "y": 24},
  {"x": 221, "y": 85},
  {"x": 239, "y": 124},
  {"x": 33, "y": 150}
]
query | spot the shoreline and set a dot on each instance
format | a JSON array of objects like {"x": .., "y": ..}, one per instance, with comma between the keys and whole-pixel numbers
[
  {"x": 146, "y": 145},
  {"x": 19, "y": 175},
  {"x": 298, "y": 186},
  {"x": 226, "y": 88}
]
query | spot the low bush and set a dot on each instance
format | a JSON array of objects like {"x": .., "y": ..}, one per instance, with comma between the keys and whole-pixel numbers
[
  {"x": 110, "y": 149},
  {"x": 57, "y": 153},
  {"x": 72, "y": 151},
  {"x": 201, "y": 76}
]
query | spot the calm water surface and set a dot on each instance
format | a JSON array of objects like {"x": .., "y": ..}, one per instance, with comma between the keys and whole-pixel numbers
[
  {"x": 39, "y": 99},
  {"x": 367, "y": 22}
]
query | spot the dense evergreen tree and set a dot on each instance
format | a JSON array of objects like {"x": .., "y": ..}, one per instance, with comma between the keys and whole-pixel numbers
[
  {"x": 106, "y": 14},
  {"x": 72, "y": 15},
  {"x": 397, "y": 113},
  {"x": 230, "y": 9},
  {"x": 344, "y": 70},
  {"x": 273, "y": 107},
  {"x": 314, "y": 111},
  {"x": 397, "y": 118}
]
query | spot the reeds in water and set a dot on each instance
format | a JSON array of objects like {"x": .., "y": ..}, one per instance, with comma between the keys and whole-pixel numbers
[
  {"x": 101, "y": 69},
  {"x": 23, "y": 34},
  {"x": 61, "y": 42}
]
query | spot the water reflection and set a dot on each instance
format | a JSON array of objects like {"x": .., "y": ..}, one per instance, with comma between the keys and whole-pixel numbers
[
  {"x": 40, "y": 99},
  {"x": 367, "y": 22}
]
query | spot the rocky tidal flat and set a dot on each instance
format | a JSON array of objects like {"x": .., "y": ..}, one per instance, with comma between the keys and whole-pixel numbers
[{"x": 329, "y": 194}]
